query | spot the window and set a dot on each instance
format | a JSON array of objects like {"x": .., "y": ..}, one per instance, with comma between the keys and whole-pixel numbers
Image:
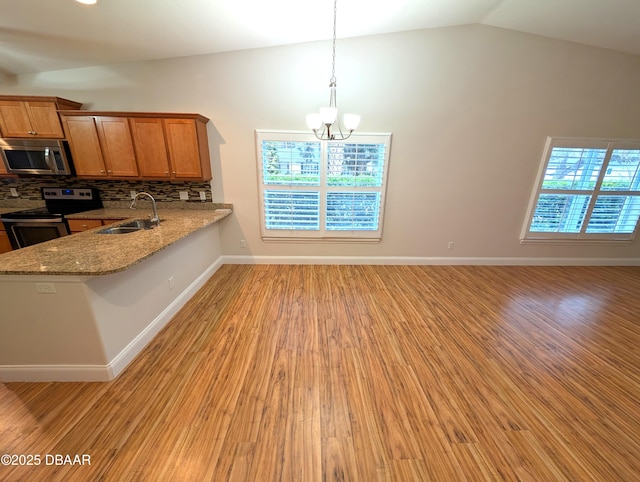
[
  {"x": 322, "y": 189},
  {"x": 587, "y": 189}
]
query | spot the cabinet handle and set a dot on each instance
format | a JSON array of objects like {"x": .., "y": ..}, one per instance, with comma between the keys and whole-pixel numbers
[
  {"x": 101, "y": 171},
  {"x": 109, "y": 171},
  {"x": 173, "y": 172}
]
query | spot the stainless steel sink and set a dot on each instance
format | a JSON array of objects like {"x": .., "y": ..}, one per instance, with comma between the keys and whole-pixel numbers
[{"x": 130, "y": 227}]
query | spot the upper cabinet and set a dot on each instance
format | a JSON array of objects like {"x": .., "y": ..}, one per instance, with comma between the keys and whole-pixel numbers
[
  {"x": 101, "y": 146},
  {"x": 186, "y": 143},
  {"x": 140, "y": 145},
  {"x": 117, "y": 146},
  {"x": 32, "y": 117},
  {"x": 151, "y": 147}
]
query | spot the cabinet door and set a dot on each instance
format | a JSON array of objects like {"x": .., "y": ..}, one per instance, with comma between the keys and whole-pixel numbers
[
  {"x": 85, "y": 146},
  {"x": 150, "y": 147},
  {"x": 14, "y": 119},
  {"x": 3, "y": 168},
  {"x": 117, "y": 146},
  {"x": 5, "y": 245},
  {"x": 44, "y": 119},
  {"x": 182, "y": 143},
  {"x": 29, "y": 119}
]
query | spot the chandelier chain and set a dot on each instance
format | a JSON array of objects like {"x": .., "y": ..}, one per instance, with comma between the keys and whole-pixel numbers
[
  {"x": 327, "y": 119},
  {"x": 333, "y": 63}
]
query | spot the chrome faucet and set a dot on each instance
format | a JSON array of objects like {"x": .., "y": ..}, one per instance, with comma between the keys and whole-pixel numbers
[{"x": 155, "y": 219}]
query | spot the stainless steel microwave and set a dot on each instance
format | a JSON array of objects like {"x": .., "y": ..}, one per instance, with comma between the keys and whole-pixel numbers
[{"x": 36, "y": 156}]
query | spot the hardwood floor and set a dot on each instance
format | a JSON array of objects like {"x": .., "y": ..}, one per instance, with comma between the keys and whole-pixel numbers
[{"x": 361, "y": 373}]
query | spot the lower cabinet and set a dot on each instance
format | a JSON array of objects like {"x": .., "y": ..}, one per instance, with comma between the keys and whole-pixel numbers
[
  {"x": 3, "y": 169},
  {"x": 80, "y": 225},
  {"x": 5, "y": 245}
]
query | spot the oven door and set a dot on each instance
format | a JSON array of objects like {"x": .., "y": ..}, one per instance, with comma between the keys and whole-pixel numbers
[{"x": 25, "y": 233}]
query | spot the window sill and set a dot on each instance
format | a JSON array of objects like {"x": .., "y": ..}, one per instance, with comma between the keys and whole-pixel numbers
[
  {"x": 309, "y": 240},
  {"x": 576, "y": 242}
]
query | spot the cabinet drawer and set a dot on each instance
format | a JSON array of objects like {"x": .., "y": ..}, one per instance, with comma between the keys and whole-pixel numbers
[{"x": 78, "y": 225}]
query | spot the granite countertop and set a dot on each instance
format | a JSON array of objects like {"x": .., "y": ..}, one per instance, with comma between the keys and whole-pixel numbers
[
  {"x": 91, "y": 254},
  {"x": 9, "y": 210}
]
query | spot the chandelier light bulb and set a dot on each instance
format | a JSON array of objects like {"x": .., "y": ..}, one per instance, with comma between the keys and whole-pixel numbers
[
  {"x": 314, "y": 121},
  {"x": 351, "y": 121},
  {"x": 328, "y": 115}
]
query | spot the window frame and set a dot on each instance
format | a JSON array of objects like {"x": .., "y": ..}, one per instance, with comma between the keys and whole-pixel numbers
[
  {"x": 323, "y": 188},
  {"x": 582, "y": 237}
]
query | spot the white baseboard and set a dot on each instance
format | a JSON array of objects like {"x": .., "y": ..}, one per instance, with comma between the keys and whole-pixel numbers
[
  {"x": 129, "y": 352},
  {"x": 407, "y": 260},
  {"x": 54, "y": 373},
  {"x": 104, "y": 373}
]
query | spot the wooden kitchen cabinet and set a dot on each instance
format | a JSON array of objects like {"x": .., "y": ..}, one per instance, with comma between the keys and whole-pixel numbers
[
  {"x": 117, "y": 146},
  {"x": 80, "y": 225},
  {"x": 3, "y": 170},
  {"x": 85, "y": 148},
  {"x": 156, "y": 146},
  {"x": 151, "y": 147},
  {"x": 172, "y": 147},
  {"x": 5, "y": 245},
  {"x": 32, "y": 117},
  {"x": 100, "y": 146},
  {"x": 188, "y": 148}
]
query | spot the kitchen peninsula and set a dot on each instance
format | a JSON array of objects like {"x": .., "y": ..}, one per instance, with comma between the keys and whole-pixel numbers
[{"x": 81, "y": 307}]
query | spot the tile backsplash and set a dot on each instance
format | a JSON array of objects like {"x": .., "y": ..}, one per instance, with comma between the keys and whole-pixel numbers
[{"x": 28, "y": 188}]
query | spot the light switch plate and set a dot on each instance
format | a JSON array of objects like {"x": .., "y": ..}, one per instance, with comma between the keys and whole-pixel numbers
[{"x": 184, "y": 195}]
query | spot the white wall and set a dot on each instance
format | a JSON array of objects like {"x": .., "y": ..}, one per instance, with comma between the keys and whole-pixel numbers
[{"x": 469, "y": 108}]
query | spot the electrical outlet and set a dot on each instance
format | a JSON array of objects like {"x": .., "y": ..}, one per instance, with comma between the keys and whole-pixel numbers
[
  {"x": 243, "y": 243},
  {"x": 132, "y": 193},
  {"x": 171, "y": 282},
  {"x": 13, "y": 191},
  {"x": 450, "y": 245},
  {"x": 45, "y": 288},
  {"x": 184, "y": 195},
  {"x": 203, "y": 196}
]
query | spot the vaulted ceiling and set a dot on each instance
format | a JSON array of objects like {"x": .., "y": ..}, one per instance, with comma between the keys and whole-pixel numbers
[{"x": 44, "y": 35}]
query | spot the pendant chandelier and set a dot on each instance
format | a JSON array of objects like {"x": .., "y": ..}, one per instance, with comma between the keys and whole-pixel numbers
[{"x": 325, "y": 125}]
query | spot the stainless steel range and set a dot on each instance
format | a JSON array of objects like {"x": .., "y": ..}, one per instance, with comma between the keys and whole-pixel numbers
[{"x": 33, "y": 226}]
